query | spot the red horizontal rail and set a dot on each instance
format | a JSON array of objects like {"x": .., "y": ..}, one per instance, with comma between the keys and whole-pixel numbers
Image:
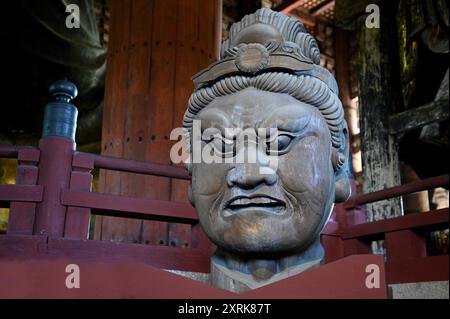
[
  {"x": 133, "y": 166},
  {"x": 188, "y": 259},
  {"x": 9, "y": 151},
  {"x": 130, "y": 207},
  {"x": 427, "y": 221},
  {"x": 398, "y": 191},
  {"x": 36, "y": 247},
  {"x": 12, "y": 151},
  {"x": 21, "y": 193}
]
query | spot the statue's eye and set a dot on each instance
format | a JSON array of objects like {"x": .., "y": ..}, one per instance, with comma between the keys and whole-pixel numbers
[
  {"x": 222, "y": 146},
  {"x": 280, "y": 145},
  {"x": 283, "y": 142},
  {"x": 228, "y": 146}
]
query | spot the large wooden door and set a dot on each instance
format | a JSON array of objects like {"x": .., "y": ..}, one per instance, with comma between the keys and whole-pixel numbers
[{"x": 155, "y": 47}]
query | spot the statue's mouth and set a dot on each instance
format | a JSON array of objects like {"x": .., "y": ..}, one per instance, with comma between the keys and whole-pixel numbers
[{"x": 261, "y": 203}]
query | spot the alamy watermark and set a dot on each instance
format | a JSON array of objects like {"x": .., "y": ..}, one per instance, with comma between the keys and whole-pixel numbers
[
  {"x": 373, "y": 19},
  {"x": 73, "y": 19},
  {"x": 73, "y": 279},
  {"x": 373, "y": 279},
  {"x": 231, "y": 146}
]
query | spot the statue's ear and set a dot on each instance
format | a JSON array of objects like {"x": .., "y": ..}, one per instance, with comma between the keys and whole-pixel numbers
[
  {"x": 188, "y": 166},
  {"x": 342, "y": 170},
  {"x": 343, "y": 190}
]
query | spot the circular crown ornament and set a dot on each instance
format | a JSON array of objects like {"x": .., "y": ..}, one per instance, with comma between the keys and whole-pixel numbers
[{"x": 252, "y": 58}]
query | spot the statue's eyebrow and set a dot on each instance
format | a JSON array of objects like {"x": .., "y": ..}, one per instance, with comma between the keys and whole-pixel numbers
[
  {"x": 212, "y": 115},
  {"x": 216, "y": 118},
  {"x": 292, "y": 124}
]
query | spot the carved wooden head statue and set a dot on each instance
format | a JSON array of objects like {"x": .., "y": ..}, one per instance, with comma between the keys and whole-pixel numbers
[{"x": 268, "y": 80}]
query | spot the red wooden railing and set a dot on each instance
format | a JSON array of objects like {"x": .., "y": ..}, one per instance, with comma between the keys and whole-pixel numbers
[
  {"x": 51, "y": 203},
  {"x": 34, "y": 230},
  {"x": 404, "y": 237}
]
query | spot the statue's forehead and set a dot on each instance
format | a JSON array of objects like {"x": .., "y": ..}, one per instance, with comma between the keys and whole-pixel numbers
[{"x": 251, "y": 107}]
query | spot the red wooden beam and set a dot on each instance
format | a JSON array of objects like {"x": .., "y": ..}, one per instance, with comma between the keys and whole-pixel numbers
[
  {"x": 288, "y": 6},
  {"x": 303, "y": 16},
  {"x": 356, "y": 246},
  {"x": 427, "y": 221},
  {"x": 404, "y": 244},
  {"x": 22, "y": 246},
  {"x": 107, "y": 252},
  {"x": 120, "y": 164},
  {"x": 341, "y": 279},
  {"x": 432, "y": 268},
  {"x": 44, "y": 279},
  {"x": 12, "y": 151},
  {"x": 9, "y": 151},
  {"x": 21, "y": 193},
  {"x": 401, "y": 190},
  {"x": 141, "y": 208},
  {"x": 186, "y": 259},
  {"x": 344, "y": 278},
  {"x": 321, "y": 8}
]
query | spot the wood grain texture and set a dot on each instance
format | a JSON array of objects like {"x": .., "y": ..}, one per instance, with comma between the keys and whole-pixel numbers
[
  {"x": 436, "y": 111},
  {"x": 379, "y": 98},
  {"x": 115, "y": 100},
  {"x": 156, "y": 46}
]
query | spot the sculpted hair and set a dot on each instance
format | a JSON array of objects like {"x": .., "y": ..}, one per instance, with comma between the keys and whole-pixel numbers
[
  {"x": 303, "y": 87},
  {"x": 291, "y": 29}
]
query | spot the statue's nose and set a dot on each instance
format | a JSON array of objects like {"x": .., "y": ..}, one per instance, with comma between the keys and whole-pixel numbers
[
  {"x": 253, "y": 168},
  {"x": 249, "y": 175}
]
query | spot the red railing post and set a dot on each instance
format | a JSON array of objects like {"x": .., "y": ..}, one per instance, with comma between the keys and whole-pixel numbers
[
  {"x": 22, "y": 214},
  {"x": 347, "y": 215},
  {"x": 404, "y": 244},
  {"x": 330, "y": 236},
  {"x": 77, "y": 218},
  {"x": 57, "y": 146}
]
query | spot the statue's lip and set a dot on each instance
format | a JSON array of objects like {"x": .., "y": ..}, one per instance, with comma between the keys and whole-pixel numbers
[{"x": 260, "y": 202}]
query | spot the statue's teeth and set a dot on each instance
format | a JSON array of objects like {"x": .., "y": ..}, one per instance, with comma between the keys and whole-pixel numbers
[
  {"x": 255, "y": 200},
  {"x": 240, "y": 201},
  {"x": 261, "y": 200}
]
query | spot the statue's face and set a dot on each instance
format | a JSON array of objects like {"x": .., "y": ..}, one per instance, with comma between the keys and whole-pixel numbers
[{"x": 258, "y": 207}]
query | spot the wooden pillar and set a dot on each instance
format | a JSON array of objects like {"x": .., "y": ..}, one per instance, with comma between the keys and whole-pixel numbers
[
  {"x": 343, "y": 59},
  {"x": 56, "y": 148},
  {"x": 380, "y": 96},
  {"x": 155, "y": 47}
]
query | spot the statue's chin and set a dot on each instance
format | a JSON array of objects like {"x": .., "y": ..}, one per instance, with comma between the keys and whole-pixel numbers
[
  {"x": 261, "y": 230},
  {"x": 252, "y": 249},
  {"x": 247, "y": 254}
]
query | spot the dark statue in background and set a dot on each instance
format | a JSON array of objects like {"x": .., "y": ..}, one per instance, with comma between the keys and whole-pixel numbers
[{"x": 266, "y": 219}]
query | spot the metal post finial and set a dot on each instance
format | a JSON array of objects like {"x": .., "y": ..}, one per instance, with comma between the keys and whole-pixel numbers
[{"x": 60, "y": 117}]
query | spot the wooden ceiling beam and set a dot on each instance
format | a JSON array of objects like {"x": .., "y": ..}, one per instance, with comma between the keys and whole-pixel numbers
[
  {"x": 321, "y": 8},
  {"x": 288, "y": 6},
  {"x": 303, "y": 16}
]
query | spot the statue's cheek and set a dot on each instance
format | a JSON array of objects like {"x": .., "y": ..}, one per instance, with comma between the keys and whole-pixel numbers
[
  {"x": 303, "y": 168},
  {"x": 208, "y": 179}
]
